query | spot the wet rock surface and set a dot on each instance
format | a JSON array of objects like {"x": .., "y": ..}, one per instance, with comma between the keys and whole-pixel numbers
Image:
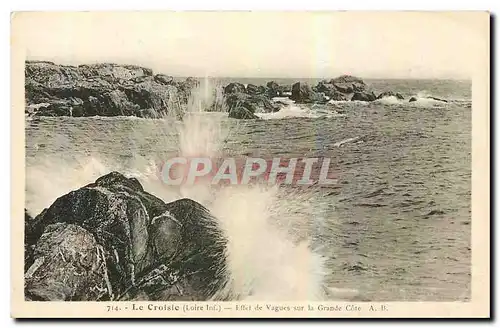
[
  {"x": 111, "y": 240},
  {"x": 100, "y": 89}
]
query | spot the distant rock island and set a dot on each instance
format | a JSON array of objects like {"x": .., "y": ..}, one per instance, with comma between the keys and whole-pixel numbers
[{"x": 128, "y": 90}]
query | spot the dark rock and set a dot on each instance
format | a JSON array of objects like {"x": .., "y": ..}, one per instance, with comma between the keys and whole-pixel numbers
[
  {"x": 252, "y": 89},
  {"x": 264, "y": 104},
  {"x": 242, "y": 113},
  {"x": 364, "y": 96},
  {"x": 114, "y": 71},
  {"x": 429, "y": 97},
  {"x": 150, "y": 94},
  {"x": 239, "y": 99},
  {"x": 338, "y": 97},
  {"x": 129, "y": 244},
  {"x": 241, "y": 105},
  {"x": 163, "y": 79},
  {"x": 330, "y": 91},
  {"x": 273, "y": 89},
  {"x": 303, "y": 93},
  {"x": 263, "y": 90},
  {"x": 348, "y": 84},
  {"x": 186, "y": 87},
  {"x": 100, "y": 89},
  {"x": 438, "y": 99},
  {"x": 28, "y": 249},
  {"x": 390, "y": 94},
  {"x": 68, "y": 265},
  {"x": 234, "y": 87},
  {"x": 150, "y": 113},
  {"x": 285, "y": 88}
]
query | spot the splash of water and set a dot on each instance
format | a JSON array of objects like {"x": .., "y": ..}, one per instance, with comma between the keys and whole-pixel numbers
[{"x": 269, "y": 252}]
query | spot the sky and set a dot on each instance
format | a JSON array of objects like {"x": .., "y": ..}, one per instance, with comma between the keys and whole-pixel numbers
[{"x": 262, "y": 44}]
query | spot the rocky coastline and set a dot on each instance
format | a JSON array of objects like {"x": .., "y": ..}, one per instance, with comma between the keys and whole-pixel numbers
[
  {"x": 101, "y": 90},
  {"x": 130, "y": 90}
]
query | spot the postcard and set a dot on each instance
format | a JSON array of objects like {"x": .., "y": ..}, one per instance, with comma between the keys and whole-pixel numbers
[{"x": 250, "y": 164}]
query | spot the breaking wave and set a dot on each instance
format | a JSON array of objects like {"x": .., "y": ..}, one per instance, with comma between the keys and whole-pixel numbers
[{"x": 271, "y": 255}]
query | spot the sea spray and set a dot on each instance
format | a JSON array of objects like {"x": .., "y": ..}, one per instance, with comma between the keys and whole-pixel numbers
[
  {"x": 269, "y": 255},
  {"x": 270, "y": 252}
]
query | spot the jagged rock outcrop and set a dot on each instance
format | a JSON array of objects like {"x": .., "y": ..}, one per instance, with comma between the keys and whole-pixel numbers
[
  {"x": 100, "y": 89},
  {"x": 253, "y": 89},
  {"x": 164, "y": 79},
  {"x": 342, "y": 88},
  {"x": 303, "y": 93},
  {"x": 241, "y": 105},
  {"x": 330, "y": 91},
  {"x": 234, "y": 87},
  {"x": 273, "y": 89},
  {"x": 348, "y": 84},
  {"x": 111, "y": 240},
  {"x": 244, "y": 104}
]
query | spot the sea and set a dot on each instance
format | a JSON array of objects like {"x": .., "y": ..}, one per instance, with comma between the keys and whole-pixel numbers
[{"x": 395, "y": 227}]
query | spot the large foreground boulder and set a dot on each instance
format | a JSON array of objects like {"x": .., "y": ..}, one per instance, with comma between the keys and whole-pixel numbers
[
  {"x": 111, "y": 240},
  {"x": 69, "y": 266}
]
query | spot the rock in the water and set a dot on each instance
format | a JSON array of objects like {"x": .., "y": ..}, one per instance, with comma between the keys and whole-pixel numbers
[
  {"x": 437, "y": 99},
  {"x": 387, "y": 94},
  {"x": 242, "y": 113},
  {"x": 244, "y": 106},
  {"x": 412, "y": 99},
  {"x": 303, "y": 93},
  {"x": 148, "y": 249},
  {"x": 252, "y": 89},
  {"x": 273, "y": 89},
  {"x": 234, "y": 87},
  {"x": 164, "y": 79},
  {"x": 348, "y": 84},
  {"x": 100, "y": 89},
  {"x": 338, "y": 97},
  {"x": 330, "y": 91},
  {"x": 239, "y": 99},
  {"x": 263, "y": 90},
  {"x": 364, "y": 96}
]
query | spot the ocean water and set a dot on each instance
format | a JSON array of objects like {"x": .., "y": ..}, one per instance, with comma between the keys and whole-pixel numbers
[{"x": 396, "y": 226}]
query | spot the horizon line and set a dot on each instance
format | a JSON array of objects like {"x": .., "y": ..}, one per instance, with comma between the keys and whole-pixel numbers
[{"x": 259, "y": 77}]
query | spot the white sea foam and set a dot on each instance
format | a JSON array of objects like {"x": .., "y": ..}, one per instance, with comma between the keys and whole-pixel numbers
[
  {"x": 392, "y": 100},
  {"x": 293, "y": 110}
]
